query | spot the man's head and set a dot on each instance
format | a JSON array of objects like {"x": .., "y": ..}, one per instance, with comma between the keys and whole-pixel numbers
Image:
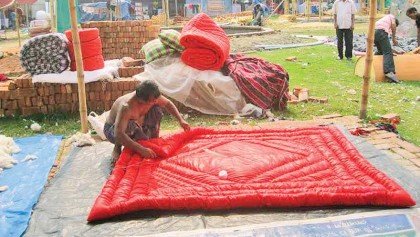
[
  {"x": 147, "y": 91},
  {"x": 412, "y": 13}
]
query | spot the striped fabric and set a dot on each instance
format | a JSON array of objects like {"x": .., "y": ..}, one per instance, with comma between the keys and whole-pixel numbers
[
  {"x": 155, "y": 49},
  {"x": 171, "y": 39},
  {"x": 261, "y": 82}
]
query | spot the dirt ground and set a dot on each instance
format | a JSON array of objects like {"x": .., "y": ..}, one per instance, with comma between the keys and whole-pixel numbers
[
  {"x": 247, "y": 43},
  {"x": 10, "y": 65}
]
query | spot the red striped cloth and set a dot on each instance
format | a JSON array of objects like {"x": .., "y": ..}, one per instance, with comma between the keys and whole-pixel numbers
[{"x": 261, "y": 82}]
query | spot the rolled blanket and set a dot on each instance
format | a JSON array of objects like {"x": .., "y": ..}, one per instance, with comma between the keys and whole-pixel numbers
[
  {"x": 261, "y": 82},
  {"x": 206, "y": 44},
  {"x": 45, "y": 54}
]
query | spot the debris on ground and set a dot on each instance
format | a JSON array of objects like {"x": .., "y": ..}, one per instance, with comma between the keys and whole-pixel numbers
[
  {"x": 390, "y": 116},
  {"x": 235, "y": 122},
  {"x": 4, "y": 188},
  {"x": 351, "y": 92},
  {"x": 291, "y": 59},
  {"x": 81, "y": 139},
  {"x": 36, "y": 127},
  {"x": 247, "y": 43},
  {"x": 300, "y": 94},
  {"x": 30, "y": 157}
]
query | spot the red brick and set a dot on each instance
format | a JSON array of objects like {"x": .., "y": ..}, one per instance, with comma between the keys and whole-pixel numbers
[
  {"x": 384, "y": 135},
  {"x": 416, "y": 161},
  {"x": 404, "y": 153},
  {"x": 385, "y": 146},
  {"x": 408, "y": 146}
]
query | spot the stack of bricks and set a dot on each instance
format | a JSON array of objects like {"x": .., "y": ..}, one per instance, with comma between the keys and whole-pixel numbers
[
  {"x": 129, "y": 71},
  {"x": 124, "y": 38},
  {"x": 20, "y": 96}
]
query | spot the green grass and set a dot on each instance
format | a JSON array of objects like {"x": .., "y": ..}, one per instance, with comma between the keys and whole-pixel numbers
[{"x": 317, "y": 70}]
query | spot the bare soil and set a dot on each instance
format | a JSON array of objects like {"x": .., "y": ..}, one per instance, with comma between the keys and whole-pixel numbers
[{"x": 248, "y": 43}]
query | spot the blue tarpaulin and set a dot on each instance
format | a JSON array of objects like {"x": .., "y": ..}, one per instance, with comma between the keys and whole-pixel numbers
[{"x": 26, "y": 181}]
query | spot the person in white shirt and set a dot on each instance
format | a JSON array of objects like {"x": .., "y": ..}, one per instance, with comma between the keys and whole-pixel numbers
[{"x": 344, "y": 11}]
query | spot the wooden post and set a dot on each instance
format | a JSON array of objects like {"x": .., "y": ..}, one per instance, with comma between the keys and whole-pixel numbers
[
  {"x": 382, "y": 6},
  {"x": 27, "y": 15},
  {"x": 79, "y": 67},
  {"x": 167, "y": 12},
  {"x": 18, "y": 24},
  {"x": 320, "y": 10},
  {"x": 294, "y": 7},
  {"x": 176, "y": 7},
  {"x": 286, "y": 7},
  {"x": 52, "y": 15},
  {"x": 369, "y": 59},
  {"x": 308, "y": 9}
]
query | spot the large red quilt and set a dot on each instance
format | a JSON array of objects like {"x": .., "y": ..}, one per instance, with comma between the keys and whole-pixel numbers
[
  {"x": 208, "y": 169},
  {"x": 206, "y": 44}
]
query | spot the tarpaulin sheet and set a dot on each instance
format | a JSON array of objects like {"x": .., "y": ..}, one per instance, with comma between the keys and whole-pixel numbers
[
  {"x": 64, "y": 206},
  {"x": 26, "y": 181}
]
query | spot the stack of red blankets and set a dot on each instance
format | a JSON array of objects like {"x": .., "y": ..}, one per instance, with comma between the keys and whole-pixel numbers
[
  {"x": 91, "y": 45},
  {"x": 206, "y": 44}
]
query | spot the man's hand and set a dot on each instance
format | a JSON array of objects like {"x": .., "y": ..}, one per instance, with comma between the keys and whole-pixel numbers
[
  {"x": 335, "y": 25},
  {"x": 148, "y": 153},
  {"x": 185, "y": 125},
  {"x": 352, "y": 27},
  {"x": 395, "y": 42}
]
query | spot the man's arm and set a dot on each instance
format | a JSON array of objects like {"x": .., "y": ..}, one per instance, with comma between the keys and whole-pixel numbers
[
  {"x": 171, "y": 108},
  {"x": 123, "y": 139},
  {"x": 394, "y": 32},
  {"x": 353, "y": 14},
  {"x": 334, "y": 12}
]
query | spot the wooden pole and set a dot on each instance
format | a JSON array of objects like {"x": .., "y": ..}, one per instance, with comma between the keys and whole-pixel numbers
[
  {"x": 286, "y": 7},
  {"x": 167, "y": 12},
  {"x": 320, "y": 10},
  {"x": 27, "y": 14},
  {"x": 52, "y": 15},
  {"x": 294, "y": 7},
  {"x": 79, "y": 67},
  {"x": 369, "y": 59},
  {"x": 382, "y": 6},
  {"x": 18, "y": 25},
  {"x": 308, "y": 9}
]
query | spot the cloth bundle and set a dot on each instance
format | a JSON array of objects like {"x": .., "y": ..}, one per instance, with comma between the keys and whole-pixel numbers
[
  {"x": 167, "y": 44},
  {"x": 261, "y": 82},
  {"x": 91, "y": 46},
  {"x": 45, "y": 54},
  {"x": 206, "y": 44}
]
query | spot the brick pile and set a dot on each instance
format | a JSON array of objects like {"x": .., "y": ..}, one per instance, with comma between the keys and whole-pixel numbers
[
  {"x": 124, "y": 38},
  {"x": 21, "y": 96}
]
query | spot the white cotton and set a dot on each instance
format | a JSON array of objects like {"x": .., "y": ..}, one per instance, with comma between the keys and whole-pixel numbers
[
  {"x": 223, "y": 174},
  {"x": 7, "y": 147},
  {"x": 4, "y": 188},
  {"x": 30, "y": 157},
  {"x": 81, "y": 139},
  {"x": 35, "y": 127}
]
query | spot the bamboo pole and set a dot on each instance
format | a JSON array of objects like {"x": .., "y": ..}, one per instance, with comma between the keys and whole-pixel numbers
[
  {"x": 320, "y": 10},
  {"x": 52, "y": 15},
  {"x": 308, "y": 9},
  {"x": 286, "y": 7},
  {"x": 294, "y": 7},
  {"x": 382, "y": 6},
  {"x": 18, "y": 25},
  {"x": 27, "y": 14},
  {"x": 79, "y": 67},
  {"x": 369, "y": 59}
]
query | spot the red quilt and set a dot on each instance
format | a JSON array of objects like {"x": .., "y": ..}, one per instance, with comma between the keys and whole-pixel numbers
[
  {"x": 208, "y": 169},
  {"x": 206, "y": 44}
]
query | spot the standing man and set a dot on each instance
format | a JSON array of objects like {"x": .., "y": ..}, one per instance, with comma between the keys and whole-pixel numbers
[
  {"x": 413, "y": 14},
  {"x": 344, "y": 11},
  {"x": 383, "y": 27}
]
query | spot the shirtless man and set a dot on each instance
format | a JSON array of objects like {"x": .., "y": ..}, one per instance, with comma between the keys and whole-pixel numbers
[{"x": 136, "y": 116}]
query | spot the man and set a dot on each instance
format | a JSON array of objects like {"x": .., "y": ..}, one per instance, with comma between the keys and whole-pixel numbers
[
  {"x": 413, "y": 14},
  {"x": 136, "y": 116},
  {"x": 258, "y": 13},
  {"x": 383, "y": 27},
  {"x": 344, "y": 11}
]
